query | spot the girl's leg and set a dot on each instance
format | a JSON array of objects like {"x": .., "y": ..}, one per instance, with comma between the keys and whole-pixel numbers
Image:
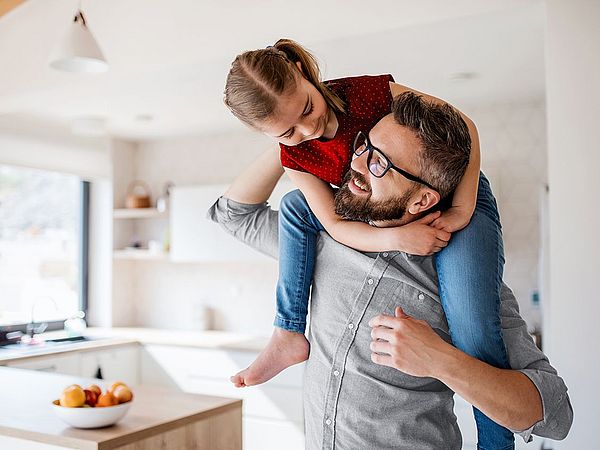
[
  {"x": 470, "y": 276},
  {"x": 298, "y": 230}
]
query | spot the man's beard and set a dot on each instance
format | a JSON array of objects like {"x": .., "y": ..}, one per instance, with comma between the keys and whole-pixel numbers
[{"x": 362, "y": 208}]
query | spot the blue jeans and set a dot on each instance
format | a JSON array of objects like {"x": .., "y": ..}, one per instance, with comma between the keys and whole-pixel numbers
[
  {"x": 469, "y": 271},
  {"x": 470, "y": 277},
  {"x": 298, "y": 231}
]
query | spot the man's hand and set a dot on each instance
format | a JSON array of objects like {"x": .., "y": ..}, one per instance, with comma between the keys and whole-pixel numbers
[
  {"x": 406, "y": 344},
  {"x": 420, "y": 237},
  {"x": 453, "y": 219}
]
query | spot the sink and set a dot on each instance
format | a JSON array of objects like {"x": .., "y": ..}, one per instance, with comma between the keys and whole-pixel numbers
[
  {"x": 72, "y": 339},
  {"x": 46, "y": 345}
]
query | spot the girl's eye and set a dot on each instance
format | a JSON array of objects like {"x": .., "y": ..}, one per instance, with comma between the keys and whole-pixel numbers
[
  {"x": 307, "y": 113},
  {"x": 289, "y": 135}
]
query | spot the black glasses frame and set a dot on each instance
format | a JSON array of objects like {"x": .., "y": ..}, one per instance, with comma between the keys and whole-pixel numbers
[{"x": 371, "y": 148}]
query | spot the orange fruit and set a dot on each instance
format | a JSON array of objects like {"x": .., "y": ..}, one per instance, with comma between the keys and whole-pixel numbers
[
  {"x": 115, "y": 384},
  {"x": 106, "y": 400},
  {"x": 123, "y": 394},
  {"x": 72, "y": 396}
]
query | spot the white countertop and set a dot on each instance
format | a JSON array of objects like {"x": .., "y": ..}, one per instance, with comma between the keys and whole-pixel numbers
[{"x": 111, "y": 337}]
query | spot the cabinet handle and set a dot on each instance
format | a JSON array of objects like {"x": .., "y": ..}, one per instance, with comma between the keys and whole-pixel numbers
[{"x": 51, "y": 368}]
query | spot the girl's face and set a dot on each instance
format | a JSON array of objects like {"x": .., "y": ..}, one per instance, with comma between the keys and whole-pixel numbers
[{"x": 300, "y": 116}]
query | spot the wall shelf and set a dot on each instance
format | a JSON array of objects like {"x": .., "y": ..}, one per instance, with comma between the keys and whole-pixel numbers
[
  {"x": 139, "y": 213},
  {"x": 140, "y": 255}
]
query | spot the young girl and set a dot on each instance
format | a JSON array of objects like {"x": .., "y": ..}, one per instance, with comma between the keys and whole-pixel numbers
[{"x": 278, "y": 91}]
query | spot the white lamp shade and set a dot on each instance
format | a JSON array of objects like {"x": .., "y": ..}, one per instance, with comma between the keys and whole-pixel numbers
[{"x": 78, "y": 52}]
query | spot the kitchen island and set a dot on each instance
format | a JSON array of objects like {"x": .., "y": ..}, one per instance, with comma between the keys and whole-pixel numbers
[{"x": 159, "y": 418}]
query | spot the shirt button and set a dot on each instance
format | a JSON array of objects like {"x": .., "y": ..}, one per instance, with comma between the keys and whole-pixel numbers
[
  {"x": 350, "y": 325},
  {"x": 385, "y": 254},
  {"x": 421, "y": 296},
  {"x": 336, "y": 373},
  {"x": 370, "y": 281},
  {"x": 328, "y": 421}
]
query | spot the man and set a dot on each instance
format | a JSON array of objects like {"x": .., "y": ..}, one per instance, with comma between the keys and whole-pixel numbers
[{"x": 381, "y": 367}]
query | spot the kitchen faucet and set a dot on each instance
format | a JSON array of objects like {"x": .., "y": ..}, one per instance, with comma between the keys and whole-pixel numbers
[{"x": 31, "y": 328}]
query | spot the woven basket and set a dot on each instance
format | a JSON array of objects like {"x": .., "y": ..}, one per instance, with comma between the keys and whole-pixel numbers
[{"x": 138, "y": 195}]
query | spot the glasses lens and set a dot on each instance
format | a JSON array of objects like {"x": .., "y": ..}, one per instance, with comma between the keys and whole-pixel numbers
[
  {"x": 360, "y": 144},
  {"x": 378, "y": 164}
]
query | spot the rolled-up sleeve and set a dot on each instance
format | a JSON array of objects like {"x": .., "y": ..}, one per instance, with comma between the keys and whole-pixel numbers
[
  {"x": 558, "y": 412},
  {"x": 524, "y": 356},
  {"x": 254, "y": 225}
]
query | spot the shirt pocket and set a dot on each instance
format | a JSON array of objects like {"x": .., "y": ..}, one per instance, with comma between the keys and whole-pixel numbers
[{"x": 416, "y": 303}]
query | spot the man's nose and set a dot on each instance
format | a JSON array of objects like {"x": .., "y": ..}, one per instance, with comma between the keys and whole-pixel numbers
[{"x": 359, "y": 163}]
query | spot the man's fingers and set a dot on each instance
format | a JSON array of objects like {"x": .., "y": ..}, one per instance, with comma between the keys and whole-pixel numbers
[
  {"x": 400, "y": 313},
  {"x": 429, "y": 218},
  {"x": 384, "y": 360},
  {"x": 383, "y": 333},
  {"x": 441, "y": 243},
  {"x": 382, "y": 321},
  {"x": 381, "y": 347},
  {"x": 443, "y": 235}
]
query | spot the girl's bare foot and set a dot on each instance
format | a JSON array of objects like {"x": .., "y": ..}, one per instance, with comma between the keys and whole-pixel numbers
[{"x": 285, "y": 348}]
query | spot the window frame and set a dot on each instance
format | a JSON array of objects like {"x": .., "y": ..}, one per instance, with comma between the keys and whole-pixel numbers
[{"x": 84, "y": 248}]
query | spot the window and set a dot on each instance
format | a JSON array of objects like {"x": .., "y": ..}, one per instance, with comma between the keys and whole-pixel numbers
[{"x": 43, "y": 246}]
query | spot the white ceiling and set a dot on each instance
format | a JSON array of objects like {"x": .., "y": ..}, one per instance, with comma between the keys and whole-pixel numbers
[{"x": 169, "y": 59}]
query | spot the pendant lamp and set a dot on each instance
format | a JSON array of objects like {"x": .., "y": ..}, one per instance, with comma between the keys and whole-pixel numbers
[{"x": 78, "y": 51}]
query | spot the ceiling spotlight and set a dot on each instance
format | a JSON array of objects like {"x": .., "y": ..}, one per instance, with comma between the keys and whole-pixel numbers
[
  {"x": 78, "y": 51},
  {"x": 144, "y": 117},
  {"x": 460, "y": 77}
]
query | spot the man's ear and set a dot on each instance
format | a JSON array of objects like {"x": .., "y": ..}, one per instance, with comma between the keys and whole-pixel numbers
[{"x": 424, "y": 201}]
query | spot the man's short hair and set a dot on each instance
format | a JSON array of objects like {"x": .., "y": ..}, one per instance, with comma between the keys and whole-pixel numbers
[{"x": 444, "y": 135}]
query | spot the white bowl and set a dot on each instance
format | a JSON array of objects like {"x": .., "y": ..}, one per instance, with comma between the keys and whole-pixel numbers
[{"x": 91, "y": 417}]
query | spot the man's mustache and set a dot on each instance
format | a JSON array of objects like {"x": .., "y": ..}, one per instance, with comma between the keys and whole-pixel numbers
[{"x": 358, "y": 176}]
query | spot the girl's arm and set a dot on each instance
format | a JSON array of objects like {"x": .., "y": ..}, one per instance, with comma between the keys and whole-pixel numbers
[
  {"x": 256, "y": 183},
  {"x": 465, "y": 196},
  {"x": 416, "y": 238}
]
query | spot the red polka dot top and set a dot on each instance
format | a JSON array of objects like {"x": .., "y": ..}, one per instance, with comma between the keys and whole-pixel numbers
[{"x": 368, "y": 99}]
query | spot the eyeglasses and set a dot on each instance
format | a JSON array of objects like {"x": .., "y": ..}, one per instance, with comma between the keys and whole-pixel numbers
[{"x": 377, "y": 162}]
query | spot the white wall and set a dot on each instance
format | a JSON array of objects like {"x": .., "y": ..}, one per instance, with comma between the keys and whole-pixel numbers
[
  {"x": 86, "y": 157},
  {"x": 514, "y": 158},
  {"x": 168, "y": 295},
  {"x": 573, "y": 103}
]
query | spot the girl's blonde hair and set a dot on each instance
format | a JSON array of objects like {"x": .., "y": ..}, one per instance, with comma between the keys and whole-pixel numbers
[{"x": 257, "y": 79}]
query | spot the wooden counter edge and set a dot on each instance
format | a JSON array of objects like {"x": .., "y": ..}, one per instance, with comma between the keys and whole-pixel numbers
[{"x": 171, "y": 425}]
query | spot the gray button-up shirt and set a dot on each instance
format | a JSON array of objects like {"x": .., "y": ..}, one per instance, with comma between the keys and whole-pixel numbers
[{"x": 351, "y": 402}]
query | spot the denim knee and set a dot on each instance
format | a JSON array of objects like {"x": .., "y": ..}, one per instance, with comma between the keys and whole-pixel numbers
[{"x": 293, "y": 204}]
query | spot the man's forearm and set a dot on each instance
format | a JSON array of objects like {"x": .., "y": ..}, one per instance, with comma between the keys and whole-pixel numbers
[
  {"x": 410, "y": 345},
  {"x": 506, "y": 396},
  {"x": 256, "y": 183}
]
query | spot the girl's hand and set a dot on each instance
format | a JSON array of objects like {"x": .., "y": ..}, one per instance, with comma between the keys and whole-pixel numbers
[
  {"x": 453, "y": 219},
  {"x": 419, "y": 237}
]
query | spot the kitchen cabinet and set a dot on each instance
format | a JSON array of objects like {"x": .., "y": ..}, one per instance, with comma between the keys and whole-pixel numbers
[
  {"x": 67, "y": 364},
  {"x": 120, "y": 363},
  {"x": 194, "y": 238},
  {"x": 116, "y": 364},
  {"x": 273, "y": 409}
]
